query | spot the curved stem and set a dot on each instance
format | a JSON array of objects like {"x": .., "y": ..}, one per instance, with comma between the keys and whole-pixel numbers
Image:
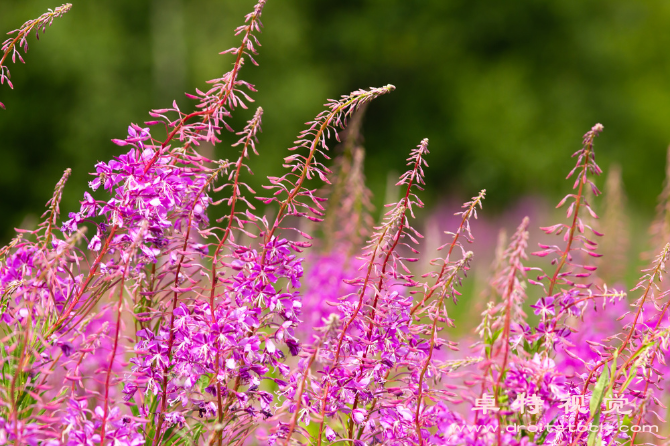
[
  {"x": 424, "y": 370},
  {"x": 175, "y": 299},
  {"x": 624, "y": 345},
  {"x": 573, "y": 226},
  {"x": 214, "y": 279},
  {"x": 94, "y": 269},
  {"x": 505, "y": 337},
  {"x": 373, "y": 310},
  {"x": 223, "y": 96},
  {"x": 452, "y": 245},
  {"x": 119, "y": 307},
  {"x": 303, "y": 175},
  {"x": 298, "y": 397},
  {"x": 31, "y": 24},
  {"x": 19, "y": 371}
]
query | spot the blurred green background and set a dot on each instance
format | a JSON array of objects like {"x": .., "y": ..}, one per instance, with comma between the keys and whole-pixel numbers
[{"x": 503, "y": 90}]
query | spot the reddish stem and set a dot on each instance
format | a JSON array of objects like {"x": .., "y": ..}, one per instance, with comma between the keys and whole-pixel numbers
[
  {"x": 113, "y": 354},
  {"x": 175, "y": 301},
  {"x": 298, "y": 397},
  {"x": 625, "y": 343},
  {"x": 424, "y": 370},
  {"x": 573, "y": 227},
  {"x": 373, "y": 311},
  {"x": 223, "y": 96},
  {"x": 466, "y": 216},
  {"x": 64, "y": 315},
  {"x": 215, "y": 261}
]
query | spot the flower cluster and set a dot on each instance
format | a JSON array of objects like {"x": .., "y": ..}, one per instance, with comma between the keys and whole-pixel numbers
[{"x": 140, "y": 320}]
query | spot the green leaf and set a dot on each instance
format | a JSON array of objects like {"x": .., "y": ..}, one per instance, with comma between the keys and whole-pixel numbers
[
  {"x": 597, "y": 396},
  {"x": 612, "y": 374},
  {"x": 613, "y": 369},
  {"x": 629, "y": 379},
  {"x": 495, "y": 336},
  {"x": 596, "y": 401}
]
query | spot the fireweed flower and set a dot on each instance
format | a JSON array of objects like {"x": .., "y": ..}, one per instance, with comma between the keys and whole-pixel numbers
[
  {"x": 544, "y": 307},
  {"x": 139, "y": 320},
  {"x": 347, "y": 220},
  {"x": 357, "y": 357}
]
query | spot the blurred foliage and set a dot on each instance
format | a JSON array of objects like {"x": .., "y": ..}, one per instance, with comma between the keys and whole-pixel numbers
[{"x": 503, "y": 90}]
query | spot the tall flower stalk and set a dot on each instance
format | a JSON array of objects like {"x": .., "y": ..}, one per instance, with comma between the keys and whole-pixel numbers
[{"x": 14, "y": 45}]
